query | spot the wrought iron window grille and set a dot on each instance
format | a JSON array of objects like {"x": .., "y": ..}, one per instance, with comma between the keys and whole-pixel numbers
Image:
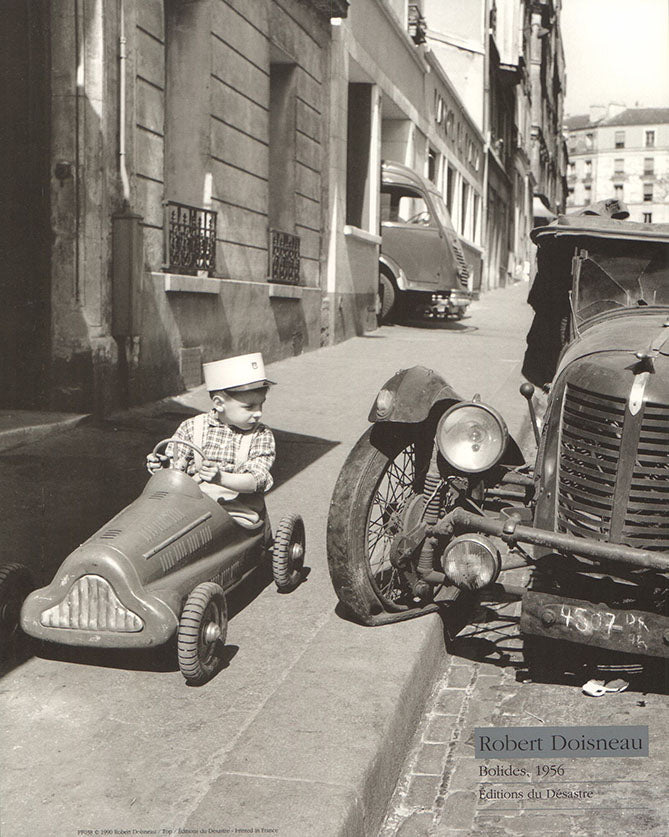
[
  {"x": 284, "y": 257},
  {"x": 190, "y": 234}
]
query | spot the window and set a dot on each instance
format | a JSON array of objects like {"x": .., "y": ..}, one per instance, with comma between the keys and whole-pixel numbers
[
  {"x": 464, "y": 208},
  {"x": 572, "y": 168},
  {"x": 647, "y": 192},
  {"x": 648, "y": 165},
  {"x": 650, "y": 139},
  {"x": 588, "y": 168},
  {"x": 404, "y": 205},
  {"x": 358, "y": 153},
  {"x": 450, "y": 189},
  {"x": 476, "y": 206},
  {"x": 619, "y": 139},
  {"x": 589, "y": 141},
  {"x": 570, "y": 196},
  {"x": 282, "y": 140},
  {"x": 619, "y": 166},
  {"x": 648, "y": 217},
  {"x": 618, "y": 189},
  {"x": 432, "y": 164},
  {"x": 588, "y": 194}
]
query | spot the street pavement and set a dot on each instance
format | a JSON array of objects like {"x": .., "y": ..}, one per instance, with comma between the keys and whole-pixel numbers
[
  {"x": 444, "y": 791},
  {"x": 304, "y": 732}
]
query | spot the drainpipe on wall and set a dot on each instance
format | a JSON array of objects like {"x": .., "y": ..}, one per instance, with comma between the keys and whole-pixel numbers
[
  {"x": 486, "y": 142},
  {"x": 127, "y": 256},
  {"x": 125, "y": 183}
]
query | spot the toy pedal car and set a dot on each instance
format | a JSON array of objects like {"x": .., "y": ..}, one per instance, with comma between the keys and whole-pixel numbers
[{"x": 161, "y": 567}]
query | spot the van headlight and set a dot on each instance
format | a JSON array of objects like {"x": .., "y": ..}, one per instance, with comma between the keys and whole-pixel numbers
[{"x": 471, "y": 436}]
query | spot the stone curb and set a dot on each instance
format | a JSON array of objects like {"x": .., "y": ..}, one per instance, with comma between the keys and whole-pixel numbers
[{"x": 324, "y": 753}]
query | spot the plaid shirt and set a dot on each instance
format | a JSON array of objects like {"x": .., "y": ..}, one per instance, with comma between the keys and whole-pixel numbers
[{"x": 221, "y": 443}]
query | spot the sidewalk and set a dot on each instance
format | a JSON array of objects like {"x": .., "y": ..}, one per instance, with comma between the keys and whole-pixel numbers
[{"x": 306, "y": 731}]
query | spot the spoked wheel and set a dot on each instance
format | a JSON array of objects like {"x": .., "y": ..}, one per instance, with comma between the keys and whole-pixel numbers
[
  {"x": 15, "y": 585},
  {"x": 288, "y": 553},
  {"x": 202, "y": 631},
  {"x": 375, "y": 499}
]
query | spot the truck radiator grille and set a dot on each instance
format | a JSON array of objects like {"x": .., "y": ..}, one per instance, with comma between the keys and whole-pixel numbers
[
  {"x": 92, "y": 605},
  {"x": 647, "y": 517},
  {"x": 592, "y": 427}
]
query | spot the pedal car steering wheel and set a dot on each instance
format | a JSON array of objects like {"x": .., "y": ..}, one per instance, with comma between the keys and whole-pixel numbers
[{"x": 194, "y": 447}]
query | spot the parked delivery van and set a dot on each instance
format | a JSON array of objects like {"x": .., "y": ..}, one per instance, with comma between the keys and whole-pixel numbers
[{"x": 422, "y": 269}]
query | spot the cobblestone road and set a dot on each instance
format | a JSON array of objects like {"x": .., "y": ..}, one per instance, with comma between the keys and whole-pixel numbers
[{"x": 443, "y": 790}]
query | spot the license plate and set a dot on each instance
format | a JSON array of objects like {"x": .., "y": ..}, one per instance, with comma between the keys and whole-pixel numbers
[{"x": 632, "y": 631}]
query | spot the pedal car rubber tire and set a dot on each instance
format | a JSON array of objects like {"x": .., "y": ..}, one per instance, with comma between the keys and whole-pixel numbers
[
  {"x": 348, "y": 532},
  {"x": 15, "y": 584},
  {"x": 288, "y": 553},
  {"x": 202, "y": 630}
]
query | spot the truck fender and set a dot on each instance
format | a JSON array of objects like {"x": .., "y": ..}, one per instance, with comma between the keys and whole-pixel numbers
[
  {"x": 408, "y": 398},
  {"x": 391, "y": 268}
]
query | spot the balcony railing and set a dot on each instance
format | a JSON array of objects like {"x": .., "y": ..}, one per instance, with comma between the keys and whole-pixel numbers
[
  {"x": 284, "y": 257},
  {"x": 190, "y": 239}
]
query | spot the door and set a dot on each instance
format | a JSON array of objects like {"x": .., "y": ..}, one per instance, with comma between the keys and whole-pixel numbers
[
  {"x": 25, "y": 239},
  {"x": 411, "y": 235}
]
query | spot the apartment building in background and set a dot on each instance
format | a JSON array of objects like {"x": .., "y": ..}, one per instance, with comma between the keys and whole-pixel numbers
[{"x": 620, "y": 152}]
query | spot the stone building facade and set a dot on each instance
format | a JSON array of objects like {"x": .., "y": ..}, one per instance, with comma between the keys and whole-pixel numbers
[
  {"x": 192, "y": 179},
  {"x": 170, "y": 163},
  {"x": 619, "y": 152}
]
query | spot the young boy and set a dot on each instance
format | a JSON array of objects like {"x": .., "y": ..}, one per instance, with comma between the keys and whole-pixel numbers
[{"x": 239, "y": 451}]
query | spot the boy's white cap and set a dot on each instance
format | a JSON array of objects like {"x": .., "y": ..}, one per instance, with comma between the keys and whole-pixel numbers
[{"x": 236, "y": 373}]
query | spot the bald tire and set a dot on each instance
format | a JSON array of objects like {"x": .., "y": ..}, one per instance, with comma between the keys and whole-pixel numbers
[
  {"x": 199, "y": 656},
  {"x": 288, "y": 553}
]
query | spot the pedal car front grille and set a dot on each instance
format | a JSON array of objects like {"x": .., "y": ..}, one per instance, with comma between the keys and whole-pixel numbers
[
  {"x": 592, "y": 429},
  {"x": 92, "y": 605}
]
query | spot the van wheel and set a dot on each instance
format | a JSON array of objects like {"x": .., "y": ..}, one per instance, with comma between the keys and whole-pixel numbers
[
  {"x": 388, "y": 296},
  {"x": 202, "y": 630}
]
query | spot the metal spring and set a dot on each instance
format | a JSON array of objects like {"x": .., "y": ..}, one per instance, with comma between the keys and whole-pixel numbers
[{"x": 432, "y": 496}]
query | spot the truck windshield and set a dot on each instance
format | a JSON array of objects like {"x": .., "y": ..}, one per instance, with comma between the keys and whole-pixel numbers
[
  {"x": 621, "y": 275},
  {"x": 404, "y": 205}
]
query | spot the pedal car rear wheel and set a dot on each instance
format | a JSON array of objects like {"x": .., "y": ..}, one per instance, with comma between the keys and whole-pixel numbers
[
  {"x": 288, "y": 553},
  {"x": 15, "y": 584},
  {"x": 202, "y": 631}
]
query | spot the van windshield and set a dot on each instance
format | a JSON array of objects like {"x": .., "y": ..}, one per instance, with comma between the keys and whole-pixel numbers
[
  {"x": 404, "y": 205},
  {"x": 441, "y": 210}
]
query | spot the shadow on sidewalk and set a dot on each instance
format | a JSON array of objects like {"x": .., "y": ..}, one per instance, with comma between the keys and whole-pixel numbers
[{"x": 58, "y": 491}]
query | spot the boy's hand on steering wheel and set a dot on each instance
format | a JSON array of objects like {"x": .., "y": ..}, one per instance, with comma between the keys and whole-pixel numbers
[
  {"x": 208, "y": 470},
  {"x": 156, "y": 461}
]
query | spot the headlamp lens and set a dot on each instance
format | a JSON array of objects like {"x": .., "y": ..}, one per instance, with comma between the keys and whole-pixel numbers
[{"x": 471, "y": 437}]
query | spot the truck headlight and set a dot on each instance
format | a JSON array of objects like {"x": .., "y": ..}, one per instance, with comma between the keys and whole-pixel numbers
[
  {"x": 471, "y": 562},
  {"x": 471, "y": 436}
]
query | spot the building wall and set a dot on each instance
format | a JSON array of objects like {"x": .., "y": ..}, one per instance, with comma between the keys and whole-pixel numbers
[
  {"x": 207, "y": 87},
  {"x": 637, "y": 174}
]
